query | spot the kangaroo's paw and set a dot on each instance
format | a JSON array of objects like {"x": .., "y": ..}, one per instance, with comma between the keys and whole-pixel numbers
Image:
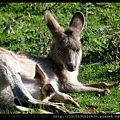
[
  {"x": 116, "y": 84},
  {"x": 64, "y": 98},
  {"x": 105, "y": 92},
  {"x": 69, "y": 100}
]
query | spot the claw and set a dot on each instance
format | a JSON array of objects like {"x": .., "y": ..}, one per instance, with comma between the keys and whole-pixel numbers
[
  {"x": 68, "y": 99},
  {"x": 117, "y": 84},
  {"x": 107, "y": 91},
  {"x": 73, "y": 102}
]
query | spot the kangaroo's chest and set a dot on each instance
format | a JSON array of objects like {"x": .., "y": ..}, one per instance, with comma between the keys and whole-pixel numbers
[
  {"x": 64, "y": 80},
  {"x": 27, "y": 67}
]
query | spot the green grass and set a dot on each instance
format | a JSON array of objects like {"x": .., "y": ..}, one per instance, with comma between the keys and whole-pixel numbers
[
  {"x": 99, "y": 73},
  {"x": 22, "y": 28}
]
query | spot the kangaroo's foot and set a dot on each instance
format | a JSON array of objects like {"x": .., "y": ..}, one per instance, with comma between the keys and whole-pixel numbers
[
  {"x": 105, "y": 92},
  {"x": 49, "y": 106}
]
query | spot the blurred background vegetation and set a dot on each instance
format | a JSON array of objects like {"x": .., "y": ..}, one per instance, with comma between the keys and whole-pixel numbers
[{"x": 22, "y": 27}]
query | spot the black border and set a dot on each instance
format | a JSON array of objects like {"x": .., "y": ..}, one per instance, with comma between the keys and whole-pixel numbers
[{"x": 60, "y": 116}]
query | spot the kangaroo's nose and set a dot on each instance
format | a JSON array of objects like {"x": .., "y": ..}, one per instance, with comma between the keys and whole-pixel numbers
[{"x": 71, "y": 67}]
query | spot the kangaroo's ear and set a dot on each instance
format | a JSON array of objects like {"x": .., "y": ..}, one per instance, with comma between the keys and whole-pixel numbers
[
  {"x": 47, "y": 92},
  {"x": 52, "y": 24},
  {"x": 77, "y": 22},
  {"x": 48, "y": 89},
  {"x": 39, "y": 74}
]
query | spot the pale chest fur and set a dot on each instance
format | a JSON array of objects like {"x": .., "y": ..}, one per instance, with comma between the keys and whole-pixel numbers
[
  {"x": 65, "y": 80},
  {"x": 70, "y": 76}
]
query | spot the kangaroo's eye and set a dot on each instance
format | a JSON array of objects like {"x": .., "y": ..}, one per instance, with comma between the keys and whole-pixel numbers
[{"x": 59, "y": 50}]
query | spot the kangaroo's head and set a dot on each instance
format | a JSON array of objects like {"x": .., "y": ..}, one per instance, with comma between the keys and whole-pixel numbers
[
  {"x": 46, "y": 90},
  {"x": 66, "y": 48}
]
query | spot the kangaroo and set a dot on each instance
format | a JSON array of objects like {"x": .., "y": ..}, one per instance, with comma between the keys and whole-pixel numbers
[
  {"x": 35, "y": 81},
  {"x": 18, "y": 91}
]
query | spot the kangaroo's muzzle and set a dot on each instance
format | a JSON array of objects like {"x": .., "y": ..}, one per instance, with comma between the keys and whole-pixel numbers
[{"x": 71, "y": 66}]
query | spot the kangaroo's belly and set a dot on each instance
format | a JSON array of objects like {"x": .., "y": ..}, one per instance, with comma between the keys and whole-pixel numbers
[{"x": 27, "y": 68}]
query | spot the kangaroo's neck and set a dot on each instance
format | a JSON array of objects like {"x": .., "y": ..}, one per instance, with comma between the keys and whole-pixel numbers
[
  {"x": 58, "y": 68},
  {"x": 55, "y": 65},
  {"x": 62, "y": 74}
]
